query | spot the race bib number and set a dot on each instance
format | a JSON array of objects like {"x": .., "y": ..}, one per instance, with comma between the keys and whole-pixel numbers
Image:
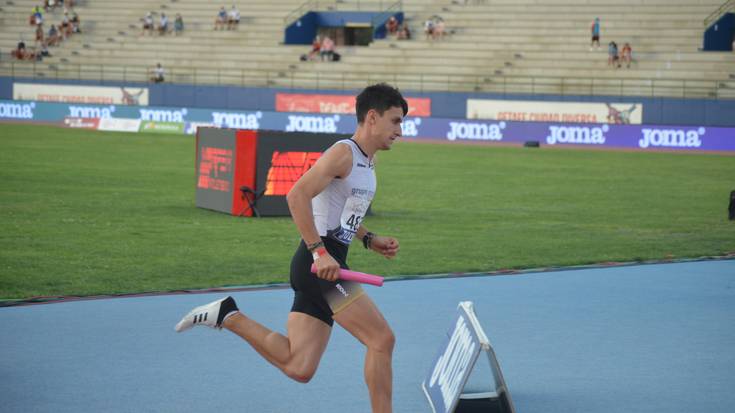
[{"x": 352, "y": 215}]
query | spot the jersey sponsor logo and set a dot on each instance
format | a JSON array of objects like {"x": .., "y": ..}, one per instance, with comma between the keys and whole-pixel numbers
[
  {"x": 363, "y": 193},
  {"x": 286, "y": 168},
  {"x": 584, "y": 135},
  {"x": 671, "y": 138}
]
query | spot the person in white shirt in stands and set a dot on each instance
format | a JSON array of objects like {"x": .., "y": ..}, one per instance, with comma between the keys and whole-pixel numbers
[
  {"x": 429, "y": 28},
  {"x": 65, "y": 26},
  {"x": 158, "y": 74},
  {"x": 233, "y": 18},
  {"x": 147, "y": 23}
]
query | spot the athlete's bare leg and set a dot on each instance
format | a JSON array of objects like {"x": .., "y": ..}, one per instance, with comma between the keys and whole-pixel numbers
[
  {"x": 296, "y": 354},
  {"x": 364, "y": 321}
]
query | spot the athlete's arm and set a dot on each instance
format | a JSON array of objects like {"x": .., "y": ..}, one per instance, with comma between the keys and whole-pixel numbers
[
  {"x": 386, "y": 246},
  {"x": 336, "y": 162}
]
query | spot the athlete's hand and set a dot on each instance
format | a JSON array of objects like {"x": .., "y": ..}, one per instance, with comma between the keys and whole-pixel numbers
[
  {"x": 386, "y": 246},
  {"x": 327, "y": 268}
]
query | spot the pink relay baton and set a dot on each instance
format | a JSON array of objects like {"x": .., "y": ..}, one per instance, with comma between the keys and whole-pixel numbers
[{"x": 360, "y": 277}]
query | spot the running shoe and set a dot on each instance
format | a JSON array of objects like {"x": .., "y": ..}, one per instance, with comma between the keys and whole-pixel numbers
[{"x": 210, "y": 315}]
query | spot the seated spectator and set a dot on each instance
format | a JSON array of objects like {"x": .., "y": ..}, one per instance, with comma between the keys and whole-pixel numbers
[
  {"x": 20, "y": 51},
  {"x": 626, "y": 55},
  {"x": 65, "y": 27},
  {"x": 39, "y": 34},
  {"x": 612, "y": 54},
  {"x": 178, "y": 24},
  {"x": 429, "y": 28},
  {"x": 53, "y": 37},
  {"x": 148, "y": 23},
  {"x": 439, "y": 28},
  {"x": 44, "y": 50},
  {"x": 36, "y": 17},
  {"x": 221, "y": 19},
  {"x": 404, "y": 33},
  {"x": 158, "y": 74},
  {"x": 316, "y": 46},
  {"x": 50, "y": 4},
  {"x": 233, "y": 18},
  {"x": 163, "y": 24},
  {"x": 75, "y": 22},
  {"x": 327, "y": 49},
  {"x": 391, "y": 26}
]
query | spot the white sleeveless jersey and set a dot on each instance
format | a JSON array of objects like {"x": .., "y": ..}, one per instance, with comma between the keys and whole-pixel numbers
[{"x": 341, "y": 206}]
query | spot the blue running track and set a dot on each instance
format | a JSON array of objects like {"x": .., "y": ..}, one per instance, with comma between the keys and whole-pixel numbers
[{"x": 648, "y": 338}]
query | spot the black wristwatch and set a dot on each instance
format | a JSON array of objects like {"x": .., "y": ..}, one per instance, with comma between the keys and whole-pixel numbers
[{"x": 367, "y": 240}]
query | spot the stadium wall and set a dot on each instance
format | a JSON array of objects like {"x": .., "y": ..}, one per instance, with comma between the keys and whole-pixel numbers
[{"x": 657, "y": 110}]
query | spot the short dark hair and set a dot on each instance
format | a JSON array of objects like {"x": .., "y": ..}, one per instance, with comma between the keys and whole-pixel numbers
[{"x": 380, "y": 97}]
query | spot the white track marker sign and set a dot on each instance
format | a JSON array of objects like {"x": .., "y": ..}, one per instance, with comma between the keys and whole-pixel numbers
[{"x": 455, "y": 360}]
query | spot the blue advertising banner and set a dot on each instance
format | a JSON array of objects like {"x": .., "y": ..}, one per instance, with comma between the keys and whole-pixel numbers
[{"x": 641, "y": 137}]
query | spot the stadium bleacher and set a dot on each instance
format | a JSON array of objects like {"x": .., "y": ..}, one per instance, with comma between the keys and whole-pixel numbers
[{"x": 524, "y": 46}]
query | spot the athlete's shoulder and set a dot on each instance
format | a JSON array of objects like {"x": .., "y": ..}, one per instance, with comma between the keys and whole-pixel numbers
[{"x": 337, "y": 160}]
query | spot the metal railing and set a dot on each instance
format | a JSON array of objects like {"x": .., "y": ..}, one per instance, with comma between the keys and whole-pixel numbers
[
  {"x": 355, "y": 80},
  {"x": 340, "y": 5},
  {"x": 726, "y": 7},
  {"x": 384, "y": 14},
  {"x": 361, "y": 5},
  {"x": 307, "y": 6}
]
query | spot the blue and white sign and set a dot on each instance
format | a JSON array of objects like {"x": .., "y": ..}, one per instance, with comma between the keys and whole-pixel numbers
[{"x": 453, "y": 364}]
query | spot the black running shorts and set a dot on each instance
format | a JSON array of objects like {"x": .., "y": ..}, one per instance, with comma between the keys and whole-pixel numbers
[{"x": 317, "y": 297}]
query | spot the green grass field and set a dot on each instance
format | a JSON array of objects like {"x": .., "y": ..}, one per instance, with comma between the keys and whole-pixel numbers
[{"x": 86, "y": 212}]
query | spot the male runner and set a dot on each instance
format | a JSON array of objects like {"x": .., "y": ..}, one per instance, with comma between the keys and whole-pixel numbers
[{"x": 328, "y": 205}]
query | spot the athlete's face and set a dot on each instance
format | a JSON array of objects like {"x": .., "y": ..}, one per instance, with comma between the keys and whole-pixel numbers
[{"x": 387, "y": 127}]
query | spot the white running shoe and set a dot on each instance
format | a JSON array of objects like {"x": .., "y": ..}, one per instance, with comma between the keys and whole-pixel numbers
[{"x": 211, "y": 315}]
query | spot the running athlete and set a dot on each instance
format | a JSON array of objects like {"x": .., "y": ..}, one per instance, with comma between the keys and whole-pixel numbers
[{"x": 328, "y": 205}]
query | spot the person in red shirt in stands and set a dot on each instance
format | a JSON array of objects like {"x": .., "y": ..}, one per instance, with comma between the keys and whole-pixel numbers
[{"x": 626, "y": 55}]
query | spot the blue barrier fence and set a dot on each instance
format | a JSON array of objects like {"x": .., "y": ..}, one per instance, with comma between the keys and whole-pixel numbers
[{"x": 644, "y": 137}]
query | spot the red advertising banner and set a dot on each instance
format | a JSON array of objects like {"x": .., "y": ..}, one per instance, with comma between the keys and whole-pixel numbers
[
  {"x": 292, "y": 102},
  {"x": 83, "y": 123}
]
